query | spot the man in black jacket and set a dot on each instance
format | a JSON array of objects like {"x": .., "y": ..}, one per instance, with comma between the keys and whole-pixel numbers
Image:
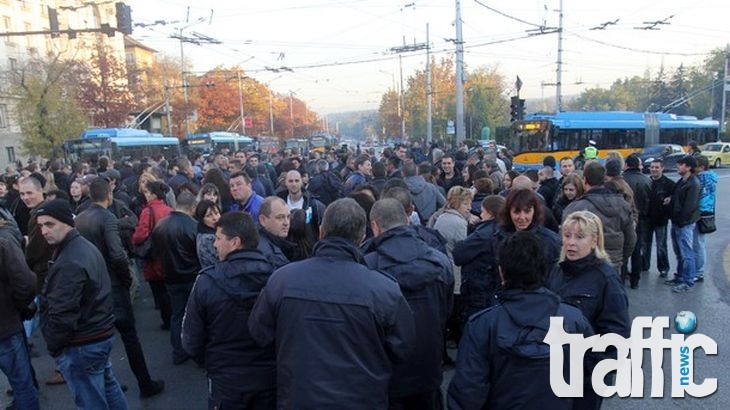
[
  {"x": 426, "y": 279},
  {"x": 274, "y": 218},
  {"x": 337, "y": 324},
  {"x": 215, "y": 331},
  {"x": 685, "y": 205},
  {"x": 100, "y": 227},
  {"x": 17, "y": 290},
  {"x": 641, "y": 186},
  {"x": 76, "y": 311},
  {"x": 175, "y": 237},
  {"x": 325, "y": 184},
  {"x": 661, "y": 189}
]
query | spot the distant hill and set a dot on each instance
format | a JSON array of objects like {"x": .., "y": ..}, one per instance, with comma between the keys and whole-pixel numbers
[{"x": 356, "y": 125}]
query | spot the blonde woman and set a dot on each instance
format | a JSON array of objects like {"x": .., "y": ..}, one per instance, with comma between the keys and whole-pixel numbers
[{"x": 586, "y": 279}]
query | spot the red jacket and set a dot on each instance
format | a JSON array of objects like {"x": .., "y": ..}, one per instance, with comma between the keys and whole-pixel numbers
[{"x": 152, "y": 268}]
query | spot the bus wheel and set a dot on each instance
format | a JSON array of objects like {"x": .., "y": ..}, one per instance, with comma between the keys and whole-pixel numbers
[{"x": 717, "y": 163}]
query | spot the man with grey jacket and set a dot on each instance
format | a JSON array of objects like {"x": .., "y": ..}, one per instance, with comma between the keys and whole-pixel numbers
[{"x": 426, "y": 196}]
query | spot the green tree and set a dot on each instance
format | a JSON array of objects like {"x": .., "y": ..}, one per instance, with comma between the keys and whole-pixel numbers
[
  {"x": 46, "y": 110},
  {"x": 483, "y": 104},
  {"x": 389, "y": 124}
]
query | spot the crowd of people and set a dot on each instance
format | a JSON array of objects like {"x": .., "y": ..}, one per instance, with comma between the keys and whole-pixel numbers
[{"x": 338, "y": 279}]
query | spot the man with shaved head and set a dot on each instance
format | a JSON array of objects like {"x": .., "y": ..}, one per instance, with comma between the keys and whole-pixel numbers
[{"x": 296, "y": 197}]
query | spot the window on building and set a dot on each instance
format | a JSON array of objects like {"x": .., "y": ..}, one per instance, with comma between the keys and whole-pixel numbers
[
  {"x": 4, "y": 116},
  {"x": 13, "y": 63},
  {"x": 11, "y": 153}
]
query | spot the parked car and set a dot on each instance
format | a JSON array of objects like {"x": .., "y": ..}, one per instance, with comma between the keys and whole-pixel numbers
[
  {"x": 717, "y": 153},
  {"x": 663, "y": 152}
]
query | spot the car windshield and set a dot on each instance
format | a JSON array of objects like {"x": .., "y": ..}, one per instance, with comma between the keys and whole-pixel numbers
[
  {"x": 713, "y": 147},
  {"x": 654, "y": 149}
]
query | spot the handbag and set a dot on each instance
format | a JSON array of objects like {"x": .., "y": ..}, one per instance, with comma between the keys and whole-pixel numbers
[
  {"x": 145, "y": 249},
  {"x": 706, "y": 224}
]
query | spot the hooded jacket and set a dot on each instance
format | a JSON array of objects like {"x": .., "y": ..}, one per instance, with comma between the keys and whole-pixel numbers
[
  {"x": 479, "y": 277},
  {"x": 615, "y": 213},
  {"x": 708, "y": 183},
  {"x": 426, "y": 197},
  {"x": 325, "y": 186},
  {"x": 215, "y": 331},
  {"x": 426, "y": 279},
  {"x": 338, "y": 326},
  {"x": 503, "y": 361}
]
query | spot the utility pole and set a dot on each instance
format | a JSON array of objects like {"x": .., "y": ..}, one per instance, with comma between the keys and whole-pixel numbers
[
  {"x": 429, "y": 90},
  {"x": 401, "y": 100},
  {"x": 459, "y": 77},
  {"x": 725, "y": 89},
  {"x": 559, "y": 70},
  {"x": 198, "y": 39},
  {"x": 167, "y": 110}
]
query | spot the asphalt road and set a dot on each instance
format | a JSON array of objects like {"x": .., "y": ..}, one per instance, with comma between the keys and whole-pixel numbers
[{"x": 186, "y": 386}]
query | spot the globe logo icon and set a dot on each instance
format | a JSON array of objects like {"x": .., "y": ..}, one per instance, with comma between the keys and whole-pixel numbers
[{"x": 685, "y": 322}]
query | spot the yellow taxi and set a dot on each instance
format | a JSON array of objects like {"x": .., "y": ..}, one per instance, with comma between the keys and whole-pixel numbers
[{"x": 717, "y": 153}]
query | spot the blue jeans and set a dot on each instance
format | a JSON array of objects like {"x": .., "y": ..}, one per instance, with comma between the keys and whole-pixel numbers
[
  {"x": 15, "y": 363},
  {"x": 682, "y": 241},
  {"x": 88, "y": 373},
  {"x": 662, "y": 255},
  {"x": 179, "y": 293}
]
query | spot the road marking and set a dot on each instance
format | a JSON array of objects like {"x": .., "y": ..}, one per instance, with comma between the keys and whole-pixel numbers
[{"x": 726, "y": 262}]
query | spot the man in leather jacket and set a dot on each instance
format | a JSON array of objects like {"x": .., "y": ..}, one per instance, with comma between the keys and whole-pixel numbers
[
  {"x": 76, "y": 311},
  {"x": 100, "y": 227},
  {"x": 175, "y": 237}
]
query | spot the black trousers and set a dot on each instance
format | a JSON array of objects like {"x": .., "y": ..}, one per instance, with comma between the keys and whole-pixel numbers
[
  {"x": 162, "y": 300},
  {"x": 125, "y": 323},
  {"x": 431, "y": 400}
]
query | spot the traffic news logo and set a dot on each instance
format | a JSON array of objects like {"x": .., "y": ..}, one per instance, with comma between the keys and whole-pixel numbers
[{"x": 629, "y": 374}]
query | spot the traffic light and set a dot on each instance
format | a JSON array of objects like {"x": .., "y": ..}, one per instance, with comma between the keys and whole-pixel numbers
[
  {"x": 514, "y": 107},
  {"x": 53, "y": 22},
  {"x": 124, "y": 18},
  {"x": 520, "y": 109}
]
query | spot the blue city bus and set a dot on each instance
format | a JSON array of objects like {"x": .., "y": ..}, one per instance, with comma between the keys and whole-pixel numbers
[
  {"x": 565, "y": 134},
  {"x": 211, "y": 142},
  {"x": 120, "y": 143}
]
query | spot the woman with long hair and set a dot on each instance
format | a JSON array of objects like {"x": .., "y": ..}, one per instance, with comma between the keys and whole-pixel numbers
[
  {"x": 586, "y": 279},
  {"x": 154, "y": 211},
  {"x": 207, "y": 213},
  {"x": 468, "y": 174},
  {"x": 300, "y": 234},
  {"x": 216, "y": 177},
  {"x": 210, "y": 192},
  {"x": 570, "y": 189}
]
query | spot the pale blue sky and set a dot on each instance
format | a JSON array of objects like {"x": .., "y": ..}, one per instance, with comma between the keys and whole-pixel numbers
[{"x": 338, "y": 49}]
